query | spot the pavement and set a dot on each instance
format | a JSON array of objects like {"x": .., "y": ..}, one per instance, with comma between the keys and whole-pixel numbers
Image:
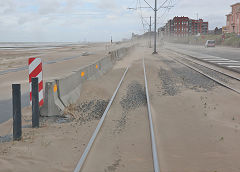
[{"x": 224, "y": 56}]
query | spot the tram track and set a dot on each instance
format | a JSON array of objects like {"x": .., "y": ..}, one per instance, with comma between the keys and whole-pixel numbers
[
  {"x": 222, "y": 77},
  {"x": 97, "y": 133}
]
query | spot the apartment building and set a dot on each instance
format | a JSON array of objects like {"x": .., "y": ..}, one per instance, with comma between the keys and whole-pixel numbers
[
  {"x": 180, "y": 26},
  {"x": 183, "y": 26},
  {"x": 169, "y": 28},
  {"x": 233, "y": 20},
  {"x": 198, "y": 26}
]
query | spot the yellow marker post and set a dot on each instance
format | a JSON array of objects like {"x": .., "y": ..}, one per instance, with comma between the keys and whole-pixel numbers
[
  {"x": 82, "y": 74},
  {"x": 55, "y": 88}
]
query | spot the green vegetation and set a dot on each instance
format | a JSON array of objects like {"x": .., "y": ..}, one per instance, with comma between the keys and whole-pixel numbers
[{"x": 232, "y": 40}]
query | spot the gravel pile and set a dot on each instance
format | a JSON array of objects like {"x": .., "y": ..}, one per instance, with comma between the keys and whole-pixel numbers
[
  {"x": 55, "y": 119},
  {"x": 168, "y": 83},
  {"x": 134, "y": 98},
  {"x": 88, "y": 110}
]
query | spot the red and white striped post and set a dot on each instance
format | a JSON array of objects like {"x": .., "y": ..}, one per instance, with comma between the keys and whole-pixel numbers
[{"x": 35, "y": 70}]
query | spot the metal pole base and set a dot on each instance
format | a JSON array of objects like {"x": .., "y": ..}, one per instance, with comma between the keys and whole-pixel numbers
[{"x": 155, "y": 52}]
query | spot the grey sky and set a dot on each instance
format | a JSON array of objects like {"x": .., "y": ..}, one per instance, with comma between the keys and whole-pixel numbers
[{"x": 94, "y": 20}]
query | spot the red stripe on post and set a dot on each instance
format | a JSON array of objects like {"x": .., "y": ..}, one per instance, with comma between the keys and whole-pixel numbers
[
  {"x": 40, "y": 86},
  {"x": 30, "y": 96},
  {"x": 35, "y": 72},
  {"x": 41, "y": 102},
  {"x": 30, "y": 60}
]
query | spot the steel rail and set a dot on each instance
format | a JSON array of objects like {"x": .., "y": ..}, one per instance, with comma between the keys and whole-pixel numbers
[
  {"x": 194, "y": 61},
  {"x": 208, "y": 76},
  {"x": 91, "y": 141},
  {"x": 154, "y": 148}
]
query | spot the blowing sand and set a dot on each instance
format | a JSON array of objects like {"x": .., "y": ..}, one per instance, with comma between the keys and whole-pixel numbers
[
  {"x": 196, "y": 122},
  {"x": 58, "y": 146}
]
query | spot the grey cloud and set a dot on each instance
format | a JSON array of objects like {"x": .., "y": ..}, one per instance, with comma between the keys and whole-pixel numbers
[{"x": 107, "y": 4}]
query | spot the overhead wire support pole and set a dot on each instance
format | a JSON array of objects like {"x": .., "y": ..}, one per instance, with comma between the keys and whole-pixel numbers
[
  {"x": 155, "y": 29},
  {"x": 150, "y": 32},
  {"x": 155, "y": 25},
  {"x": 155, "y": 16}
]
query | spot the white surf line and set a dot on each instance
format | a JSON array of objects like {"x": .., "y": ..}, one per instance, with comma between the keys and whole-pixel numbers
[
  {"x": 90, "y": 143},
  {"x": 154, "y": 148}
]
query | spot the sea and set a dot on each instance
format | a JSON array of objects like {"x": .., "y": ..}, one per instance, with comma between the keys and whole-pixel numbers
[{"x": 33, "y": 45}]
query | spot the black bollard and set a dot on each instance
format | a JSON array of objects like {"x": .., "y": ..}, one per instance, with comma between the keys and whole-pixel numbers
[
  {"x": 35, "y": 103},
  {"x": 17, "y": 114}
]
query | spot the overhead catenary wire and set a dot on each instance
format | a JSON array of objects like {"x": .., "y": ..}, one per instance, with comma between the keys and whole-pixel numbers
[
  {"x": 142, "y": 19},
  {"x": 155, "y": 9},
  {"x": 162, "y": 4},
  {"x": 163, "y": 17}
]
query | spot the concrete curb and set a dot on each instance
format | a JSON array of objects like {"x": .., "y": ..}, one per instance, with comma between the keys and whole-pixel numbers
[{"x": 64, "y": 91}]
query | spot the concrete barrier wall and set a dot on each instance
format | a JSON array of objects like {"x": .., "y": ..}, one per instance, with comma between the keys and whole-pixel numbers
[{"x": 64, "y": 91}]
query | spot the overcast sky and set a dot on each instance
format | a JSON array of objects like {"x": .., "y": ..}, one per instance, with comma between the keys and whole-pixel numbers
[{"x": 95, "y": 20}]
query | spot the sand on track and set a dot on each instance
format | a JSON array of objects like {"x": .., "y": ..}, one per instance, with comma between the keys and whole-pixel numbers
[
  {"x": 58, "y": 146},
  {"x": 196, "y": 121},
  {"x": 124, "y": 142}
]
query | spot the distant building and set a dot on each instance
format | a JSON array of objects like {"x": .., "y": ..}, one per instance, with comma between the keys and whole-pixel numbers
[
  {"x": 233, "y": 20},
  {"x": 198, "y": 26},
  {"x": 161, "y": 31},
  {"x": 224, "y": 30},
  {"x": 218, "y": 31},
  {"x": 169, "y": 28},
  {"x": 135, "y": 36},
  {"x": 183, "y": 26},
  {"x": 180, "y": 26}
]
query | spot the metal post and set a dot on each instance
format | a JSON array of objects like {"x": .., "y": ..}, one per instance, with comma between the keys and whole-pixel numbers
[
  {"x": 35, "y": 103},
  {"x": 150, "y": 30},
  {"x": 155, "y": 29},
  {"x": 17, "y": 114}
]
